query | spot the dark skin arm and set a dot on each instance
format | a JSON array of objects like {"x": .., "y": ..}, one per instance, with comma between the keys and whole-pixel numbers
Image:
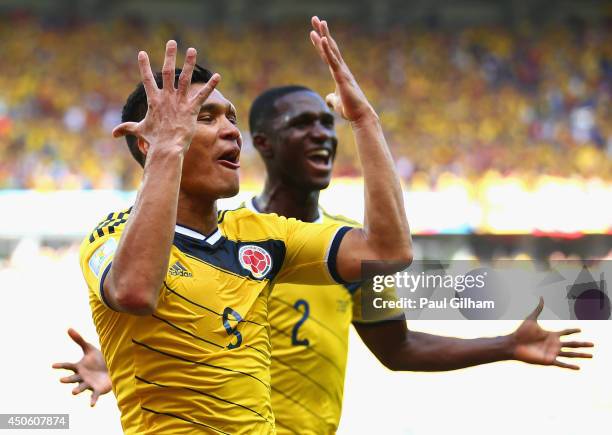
[
  {"x": 385, "y": 236},
  {"x": 400, "y": 349}
]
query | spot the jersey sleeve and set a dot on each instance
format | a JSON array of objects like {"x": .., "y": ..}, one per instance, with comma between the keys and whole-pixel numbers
[
  {"x": 96, "y": 257},
  {"x": 364, "y": 310},
  {"x": 311, "y": 253}
]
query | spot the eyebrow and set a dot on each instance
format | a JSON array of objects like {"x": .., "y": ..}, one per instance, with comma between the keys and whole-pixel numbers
[
  {"x": 218, "y": 107},
  {"x": 289, "y": 118}
]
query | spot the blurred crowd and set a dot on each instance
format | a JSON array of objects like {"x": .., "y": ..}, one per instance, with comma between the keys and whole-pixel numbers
[
  {"x": 469, "y": 105},
  {"x": 26, "y": 253}
]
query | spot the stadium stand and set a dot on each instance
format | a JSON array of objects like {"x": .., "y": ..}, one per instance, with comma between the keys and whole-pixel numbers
[{"x": 478, "y": 105}]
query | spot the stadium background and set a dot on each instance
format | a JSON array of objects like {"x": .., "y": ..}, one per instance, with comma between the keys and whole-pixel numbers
[{"x": 498, "y": 115}]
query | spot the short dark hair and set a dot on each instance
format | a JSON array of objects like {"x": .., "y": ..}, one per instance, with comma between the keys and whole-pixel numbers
[
  {"x": 263, "y": 109},
  {"x": 136, "y": 105}
]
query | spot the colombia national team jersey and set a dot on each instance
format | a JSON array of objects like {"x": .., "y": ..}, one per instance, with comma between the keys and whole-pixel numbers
[
  {"x": 310, "y": 330},
  {"x": 200, "y": 362}
]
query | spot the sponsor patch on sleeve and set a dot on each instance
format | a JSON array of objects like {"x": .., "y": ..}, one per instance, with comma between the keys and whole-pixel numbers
[{"x": 102, "y": 256}]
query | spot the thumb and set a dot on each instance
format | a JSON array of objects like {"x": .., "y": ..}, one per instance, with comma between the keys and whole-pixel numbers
[
  {"x": 126, "y": 128},
  {"x": 78, "y": 339},
  {"x": 333, "y": 102},
  {"x": 534, "y": 315}
]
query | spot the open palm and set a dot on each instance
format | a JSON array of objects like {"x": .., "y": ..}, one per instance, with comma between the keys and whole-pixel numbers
[
  {"x": 535, "y": 345},
  {"x": 90, "y": 371},
  {"x": 348, "y": 100}
]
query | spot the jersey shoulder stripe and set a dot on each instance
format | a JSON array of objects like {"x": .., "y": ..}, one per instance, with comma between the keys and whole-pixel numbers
[{"x": 110, "y": 224}]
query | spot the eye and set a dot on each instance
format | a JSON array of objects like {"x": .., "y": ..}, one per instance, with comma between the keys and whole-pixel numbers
[
  {"x": 328, "y": 122},
  {"x": 205, "y": 118},
  {"x": 233, "y": 119},
  {"x": 301, "y": 123}
]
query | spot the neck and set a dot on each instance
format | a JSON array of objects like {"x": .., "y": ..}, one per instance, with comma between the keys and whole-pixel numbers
[
  {"x": 197, "y": 214},
  {"x": 288, "y": 201}
]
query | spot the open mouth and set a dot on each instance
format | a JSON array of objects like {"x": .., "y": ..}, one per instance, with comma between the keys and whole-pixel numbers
[
  {"x": 321, "y": 158},
  {"x": 230, "y": 159}
]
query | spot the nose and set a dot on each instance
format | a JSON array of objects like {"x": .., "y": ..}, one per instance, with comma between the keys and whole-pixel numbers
[
  {"x": 320, "y": 133},
  {"x": 230, "y": 131}
]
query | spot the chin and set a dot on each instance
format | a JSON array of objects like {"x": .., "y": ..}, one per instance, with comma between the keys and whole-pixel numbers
[
  {"x": 229, "y": 191},
  {"x": 319, "y": 183}
]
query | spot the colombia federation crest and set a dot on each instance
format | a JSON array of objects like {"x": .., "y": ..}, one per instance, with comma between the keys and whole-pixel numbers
[{"x": 256, "y": 260}]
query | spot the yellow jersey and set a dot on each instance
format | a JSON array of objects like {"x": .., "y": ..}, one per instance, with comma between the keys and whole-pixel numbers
[
  {"x": 310, "y": 328},
  {"x": 200, "y": 362}
]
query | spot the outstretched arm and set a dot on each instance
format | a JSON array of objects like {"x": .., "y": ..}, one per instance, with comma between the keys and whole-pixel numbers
[
  {"x": 385, "y": 234},
  {"x": 164, "y": 135},
  {"x": 90, "y": 371},
  {"x": 400, "y": 349}
]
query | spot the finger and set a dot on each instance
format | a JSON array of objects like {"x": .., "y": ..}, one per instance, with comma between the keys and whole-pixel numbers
[
  {"x": 569, "y": 331},
  {"x": 332, "y": 42},
  {"x": 565, "y": 366},
  {"x": 186, "y": 73},
  {"x": 94, "y": 398},
  {"x": 80, "y": 388},
  {"x": 126, "y": 128},
  {"x": 534, "y": 315},
  {"x": 205, "y": 92},
  {"x": 575, "y": 354},
  {"x": 65, "y": 365},
  {"x": 324, "y": 28},
  {"x": 71, "y": 379},
  {"x": 316, "y": 41},
  {"x": 76, "y": 337},
  {"x": 146, "y": 74},
  {"x": 324, "y": 50},
  {"x": 331, "y": 58},
  {"x": 168, "y": 70},
  {"x": 316, "y": 24},
  {"x": 577, "y": 344}
]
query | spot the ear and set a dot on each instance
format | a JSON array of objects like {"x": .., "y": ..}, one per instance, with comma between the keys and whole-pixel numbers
[
  {"x": 143, "y": 146},
  {"x": 263, "y": 145}
]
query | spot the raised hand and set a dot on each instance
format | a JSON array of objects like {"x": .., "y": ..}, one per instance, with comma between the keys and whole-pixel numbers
[
  {"x": 172, "y": 113},
  {"x": 90, "y": 371},
  {"x": 348, "y": 100},
  {"x": 535, "y": 345}
]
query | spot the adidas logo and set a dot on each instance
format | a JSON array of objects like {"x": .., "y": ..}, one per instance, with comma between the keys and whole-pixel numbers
[{"x": 177, "y": 269}]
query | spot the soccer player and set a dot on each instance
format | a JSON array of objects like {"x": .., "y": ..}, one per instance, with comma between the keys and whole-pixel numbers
[
  {"x": 179, "y": 292},
  {"x": 294, "y": 132}
]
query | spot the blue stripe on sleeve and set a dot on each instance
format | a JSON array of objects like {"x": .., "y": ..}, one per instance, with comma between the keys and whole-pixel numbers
[
  {"x": 333, "y": 254},
  {"x": 106, "y": 270}
]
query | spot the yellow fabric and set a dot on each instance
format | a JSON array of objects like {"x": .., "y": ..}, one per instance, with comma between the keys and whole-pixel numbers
[
  {"x": 182, "y": 370},
  {"x": 310, "y": 326}
]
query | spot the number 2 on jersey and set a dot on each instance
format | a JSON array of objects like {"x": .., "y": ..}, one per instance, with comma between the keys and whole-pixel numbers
[
  {"x": 294, "y": 334},
  {"x": 232, "y": 331}
]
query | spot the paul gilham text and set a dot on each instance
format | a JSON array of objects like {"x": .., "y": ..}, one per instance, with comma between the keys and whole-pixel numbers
[{"x": 456, "y": 303}]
